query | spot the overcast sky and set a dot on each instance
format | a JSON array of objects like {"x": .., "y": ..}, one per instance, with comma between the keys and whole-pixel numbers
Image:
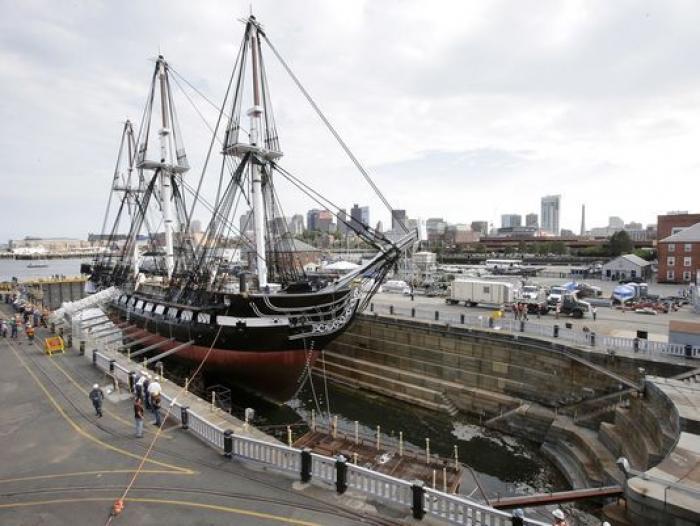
[{"x": 464, "y": 110}]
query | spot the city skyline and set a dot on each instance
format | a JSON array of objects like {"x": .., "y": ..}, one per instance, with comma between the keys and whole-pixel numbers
[{"x": 505, "y": 128}]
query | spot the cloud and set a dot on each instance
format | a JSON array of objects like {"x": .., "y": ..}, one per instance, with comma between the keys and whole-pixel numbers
[{"x": 459, "y": 109}]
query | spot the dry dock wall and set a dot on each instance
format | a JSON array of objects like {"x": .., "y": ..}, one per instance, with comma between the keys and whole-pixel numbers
[
  {"x": 482, "y": 372},
  {"x": 524, "y": 386}
]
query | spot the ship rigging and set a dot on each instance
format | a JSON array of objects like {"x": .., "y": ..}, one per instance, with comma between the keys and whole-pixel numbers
[{"x": 266, "y": 325}]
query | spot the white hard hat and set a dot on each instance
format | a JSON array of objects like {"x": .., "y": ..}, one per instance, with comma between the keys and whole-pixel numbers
[
  {"x": 157, "y": 378},
  {"x": 558, "y": 514},
  {"x": 96, "y": 386},
  {"x": 606, "y": 523}
]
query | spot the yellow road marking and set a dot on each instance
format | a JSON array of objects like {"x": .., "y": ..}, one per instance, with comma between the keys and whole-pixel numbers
[
  {"x": 188, "y": 504},
  {"x": 96, "y": 472},
  {"x": 84, "y": 433},
  {"x": 85, "y": 392}
]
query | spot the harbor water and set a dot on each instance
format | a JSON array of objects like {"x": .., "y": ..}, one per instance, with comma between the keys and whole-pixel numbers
[{"x": 20, "y": 269}]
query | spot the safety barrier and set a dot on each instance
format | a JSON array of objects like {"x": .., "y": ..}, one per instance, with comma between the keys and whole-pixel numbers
[
  {"x": 380, "y": 486},
  {"x": 280, "y": 456},
  {"x": 205, "y": 430},
  {"x": 461, "y": 511},
  {"x": 329, "y": 471},
  {"x": 532, "y": 328}
]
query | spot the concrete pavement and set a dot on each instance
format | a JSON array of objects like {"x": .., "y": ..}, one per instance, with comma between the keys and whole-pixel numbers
[{"x": 60, "y": 464}]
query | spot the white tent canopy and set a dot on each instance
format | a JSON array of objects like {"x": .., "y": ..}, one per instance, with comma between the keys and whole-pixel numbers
[{"x": 341, "y": 266}]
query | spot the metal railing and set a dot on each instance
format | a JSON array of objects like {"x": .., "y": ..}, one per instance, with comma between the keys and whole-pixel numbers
[
  {"x": 532, "y": 328},
  {"x": 325, "y": 470}
]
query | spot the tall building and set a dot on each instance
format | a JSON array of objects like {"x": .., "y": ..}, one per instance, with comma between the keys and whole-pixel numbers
[
  {"x": 511, "y": 220},
  {"x": 549, "y": 213},
  {"x": 532, "y": 220},
  {"x": 398, "y": 218},
  {"x": 481, "y": 227},
  {"x": 312, "y": 219},
  {"x": 246, "y": 222},
  {"x": 296, "y": 225},
  {"x": 324, "y": 222},
  {"x": 359, "y": 216},
  {"x": 583, "y": 220},
  {"x": 365, "y": 214},
  {"x": 435, "y": 226},
  {"x": 343, "y": 221},
  {"x": 616, "y": 223}
]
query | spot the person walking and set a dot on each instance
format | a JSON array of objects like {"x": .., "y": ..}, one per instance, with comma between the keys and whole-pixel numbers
[
  {"x": 594, "y": 311},
  {"x": 97, "y": 396},
  {"x": 558, "y": 310},
  {"x": 30, "y": 333},
  {"x": 154, "y": 395},
  {"x": 13, "y": 328},
  {"x": 3, "y": 328},
  {"x": 138, "y": 417},
  {"x": 559, "y": 518}
]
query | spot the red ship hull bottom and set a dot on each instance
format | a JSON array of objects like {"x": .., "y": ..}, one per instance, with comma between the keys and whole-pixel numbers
[{"x": 275, "y": 375}]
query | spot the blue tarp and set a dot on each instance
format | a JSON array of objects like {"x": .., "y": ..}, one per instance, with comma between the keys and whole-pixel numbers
[{"x": 624, "y": 292}]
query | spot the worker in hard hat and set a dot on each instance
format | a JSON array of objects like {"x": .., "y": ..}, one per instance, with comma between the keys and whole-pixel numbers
[
  {"x": 559, "y": 518},
  {"x": 154, "y": 396},
  {"x": 97, "y": 396}
]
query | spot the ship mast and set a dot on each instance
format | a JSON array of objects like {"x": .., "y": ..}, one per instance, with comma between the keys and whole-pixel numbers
[
  {"x": 255, "y": 113},
  {"x": 166, "y": 192}
]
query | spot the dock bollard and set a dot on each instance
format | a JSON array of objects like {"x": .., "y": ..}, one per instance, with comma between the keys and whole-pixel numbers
[
  {"x": 391, "y": 310},
  {"x": 592, "y": 339},
  {"x": 306, "y": 464},
  {"x": 228, "y": 443},
  {"x": 461, "y": 319},
  {"x": 132, "y": 377},
  {"x": 555, "y": 331},
  {"x": 94, "y": 357},
  {"x": 82, "y": 347},
  {"x": 522, "y": 325},
  {"x": 413, "y": 312},
  {"x": 185, "y": 417},
  {"x": 437, "y": 315},
  {"x": 418, "y": 500},
  {"x": 341, "y": 475}
]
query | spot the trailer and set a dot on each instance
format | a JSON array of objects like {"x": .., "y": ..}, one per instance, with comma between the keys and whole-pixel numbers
[{"x": 474, "y": 292}]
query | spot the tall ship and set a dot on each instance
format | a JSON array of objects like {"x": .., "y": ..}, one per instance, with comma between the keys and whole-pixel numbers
[{"x": 239, "y": 299}]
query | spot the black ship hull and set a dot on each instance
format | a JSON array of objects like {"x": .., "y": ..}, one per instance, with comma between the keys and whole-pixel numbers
[{"x": 266, "y": 354}]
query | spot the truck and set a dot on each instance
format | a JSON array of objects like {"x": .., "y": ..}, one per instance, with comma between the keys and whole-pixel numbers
[
  {"x": 570, "y": 305},
  {"x": 474, "y": 292}
]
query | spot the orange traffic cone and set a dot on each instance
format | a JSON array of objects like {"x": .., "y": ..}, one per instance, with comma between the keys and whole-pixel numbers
[{"x": 117, "y": 507}]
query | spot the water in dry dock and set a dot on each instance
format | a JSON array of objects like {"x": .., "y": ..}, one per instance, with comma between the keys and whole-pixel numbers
[{"x": 503, "y": 465}]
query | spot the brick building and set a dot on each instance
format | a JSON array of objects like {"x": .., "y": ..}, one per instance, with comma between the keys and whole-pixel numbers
[
  {"x": 679, "y": 256},
  {"x": 669, "y": 224}
]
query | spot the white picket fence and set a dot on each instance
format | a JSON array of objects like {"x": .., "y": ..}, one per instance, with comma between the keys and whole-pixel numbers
[
  {"x": 532, "y": 328},
  {"x": 453, "y": 509}
]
